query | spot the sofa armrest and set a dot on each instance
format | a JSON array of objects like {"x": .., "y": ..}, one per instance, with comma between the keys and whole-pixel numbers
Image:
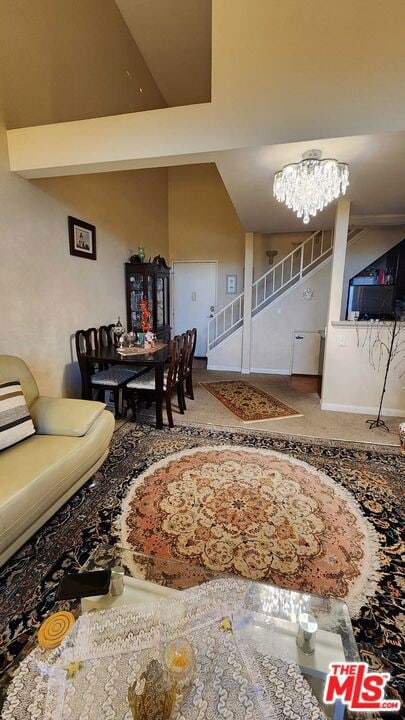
[{"x": 63, "y": 416}]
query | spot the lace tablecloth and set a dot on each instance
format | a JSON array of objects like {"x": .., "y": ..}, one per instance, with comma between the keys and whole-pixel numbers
[
  {"x": 141, "y": 350},
  {"x": 87, "y": 677}
]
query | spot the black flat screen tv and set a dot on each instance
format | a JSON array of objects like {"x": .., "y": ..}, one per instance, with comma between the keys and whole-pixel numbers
[{"x": 374, "y": 300}]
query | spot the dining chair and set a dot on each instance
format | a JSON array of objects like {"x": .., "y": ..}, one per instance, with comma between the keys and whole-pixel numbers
[
  {"x": 184, "y": 362},
  {"x": 106, "y": 335},
  {"x": 145, "y": 384},
  {"x": 188, "y": 370},
  {"x": 101, "y": 379},
  {"x": 106, "y": 339}
]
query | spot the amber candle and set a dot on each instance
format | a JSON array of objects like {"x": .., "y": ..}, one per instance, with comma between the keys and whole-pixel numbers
[{"x": 180, "y": 661}]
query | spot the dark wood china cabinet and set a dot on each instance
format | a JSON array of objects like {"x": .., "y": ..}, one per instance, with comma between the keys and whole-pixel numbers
[{"x": 150, "y": 280}]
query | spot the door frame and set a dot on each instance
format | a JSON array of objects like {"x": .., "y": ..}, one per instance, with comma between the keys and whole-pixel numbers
[{"x": 191, "y": 262}]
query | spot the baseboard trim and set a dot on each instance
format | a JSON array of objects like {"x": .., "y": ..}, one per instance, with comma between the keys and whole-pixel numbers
[
  {"x": 270, "y": 371},
  {"x": 226, "y": 368},
  {"x": 362, "y": 410}
]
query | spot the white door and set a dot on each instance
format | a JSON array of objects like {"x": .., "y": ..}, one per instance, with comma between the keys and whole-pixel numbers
[{"x": 194, "y": 294}]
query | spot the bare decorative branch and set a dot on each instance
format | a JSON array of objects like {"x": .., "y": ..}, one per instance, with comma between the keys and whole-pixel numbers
[{"x": 377, "y": 338}]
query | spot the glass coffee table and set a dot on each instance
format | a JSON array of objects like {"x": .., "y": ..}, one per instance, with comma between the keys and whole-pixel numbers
[
  {"x": 271, "y": 623},
  {"x": 274, "y": 611}
]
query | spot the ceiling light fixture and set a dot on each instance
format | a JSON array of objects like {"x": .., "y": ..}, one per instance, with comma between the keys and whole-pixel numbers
[{"x": 310, "y": 185}]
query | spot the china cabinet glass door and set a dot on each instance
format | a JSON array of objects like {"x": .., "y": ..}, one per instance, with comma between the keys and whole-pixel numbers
[
  {"x": 135, "y": 297},
  {"x": 166, "y": 300},
  {"x": 160, "y": 302},
  {"x": 150, "y": 292},
  {"x": 150, "y": 281}
]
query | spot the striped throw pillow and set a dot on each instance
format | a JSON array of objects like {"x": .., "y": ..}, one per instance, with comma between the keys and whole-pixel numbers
[{"x": 15, "y": 418}]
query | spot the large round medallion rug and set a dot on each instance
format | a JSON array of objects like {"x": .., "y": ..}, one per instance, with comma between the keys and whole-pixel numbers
[{"x": 257, "y": 513}]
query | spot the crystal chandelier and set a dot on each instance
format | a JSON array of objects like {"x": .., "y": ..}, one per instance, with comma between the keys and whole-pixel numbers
[{"x": 310, "y": 185}]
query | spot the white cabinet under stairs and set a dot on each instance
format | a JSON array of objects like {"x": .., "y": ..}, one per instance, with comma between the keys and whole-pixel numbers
[{"x": 306, "y": 358}]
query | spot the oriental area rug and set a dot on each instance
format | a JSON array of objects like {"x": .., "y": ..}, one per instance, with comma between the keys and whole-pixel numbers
[
  {"x": 319, "y": 515},
  {"x": 248, "y": 402},
  {"x": 256, "y": 513}
]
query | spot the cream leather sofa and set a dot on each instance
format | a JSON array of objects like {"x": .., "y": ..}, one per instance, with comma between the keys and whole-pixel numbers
[{"x": 40, "y": 473}]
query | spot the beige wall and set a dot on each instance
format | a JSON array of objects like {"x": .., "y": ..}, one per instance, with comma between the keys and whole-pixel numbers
[
  {"x": 288, "y": 70},
  {"x": 281, "y": 242},
  {"x": 69, "y": 60},
  {"x": 47, "y": 294},
  {"x": 203, "y": 224},
  {"x": 129, "y": 205},
  {"x": 272, "y": 329},
  {"x": 351, "y": 383}
]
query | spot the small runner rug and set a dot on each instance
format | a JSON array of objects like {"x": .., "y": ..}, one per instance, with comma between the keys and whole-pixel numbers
[{"x": 248, "y": 402}]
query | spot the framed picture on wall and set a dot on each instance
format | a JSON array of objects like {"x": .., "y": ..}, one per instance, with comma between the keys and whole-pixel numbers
[
  {"x": 82, "y": 238},
  {"x": 231, "y": 284}
]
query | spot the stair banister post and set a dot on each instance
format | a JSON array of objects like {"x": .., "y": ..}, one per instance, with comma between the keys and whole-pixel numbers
[
  {"x": 247, "y": 303},
  {"x": 335, "y": 292},
  {"x": 338, "y": 259}
]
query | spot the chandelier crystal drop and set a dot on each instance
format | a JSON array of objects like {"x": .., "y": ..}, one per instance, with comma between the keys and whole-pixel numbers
[{"x": 308, "y": 186}]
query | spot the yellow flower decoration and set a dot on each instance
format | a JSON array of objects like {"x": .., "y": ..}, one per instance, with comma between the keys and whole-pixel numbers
[
  {"x": 72, "y": 669},
  {"x": 226, "y": 625}
]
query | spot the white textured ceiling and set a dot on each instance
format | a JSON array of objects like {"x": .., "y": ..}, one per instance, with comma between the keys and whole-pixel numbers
[
  {"x": 174, "y": 37},
  {"x": 377, "y": 180}
]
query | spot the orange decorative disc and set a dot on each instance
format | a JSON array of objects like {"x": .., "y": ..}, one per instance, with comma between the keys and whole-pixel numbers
[{"x": 54, "y": 629}]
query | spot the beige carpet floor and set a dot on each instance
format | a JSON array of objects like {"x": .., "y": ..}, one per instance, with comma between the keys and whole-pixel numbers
[{"x": 313, "y": 423}]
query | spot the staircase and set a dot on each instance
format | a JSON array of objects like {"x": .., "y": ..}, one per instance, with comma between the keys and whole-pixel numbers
[{"x": 289, "y": 271}]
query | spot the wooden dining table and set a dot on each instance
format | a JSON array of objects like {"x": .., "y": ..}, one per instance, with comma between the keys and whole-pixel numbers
[{"x": 155, "y": 359}]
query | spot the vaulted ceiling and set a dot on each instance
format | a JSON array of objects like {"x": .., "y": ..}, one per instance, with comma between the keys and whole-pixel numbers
[
  {"x": 286, "y": 76},
  {"x": 174, "y": 37}
]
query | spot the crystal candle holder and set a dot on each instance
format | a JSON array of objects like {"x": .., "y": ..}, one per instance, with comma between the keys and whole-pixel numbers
[
  {"x": 131, "y": 338},
  {"x": 307, "y": 627},
  {"x": 180, "y": 662},
  {"x": 117, "y": 581}
]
